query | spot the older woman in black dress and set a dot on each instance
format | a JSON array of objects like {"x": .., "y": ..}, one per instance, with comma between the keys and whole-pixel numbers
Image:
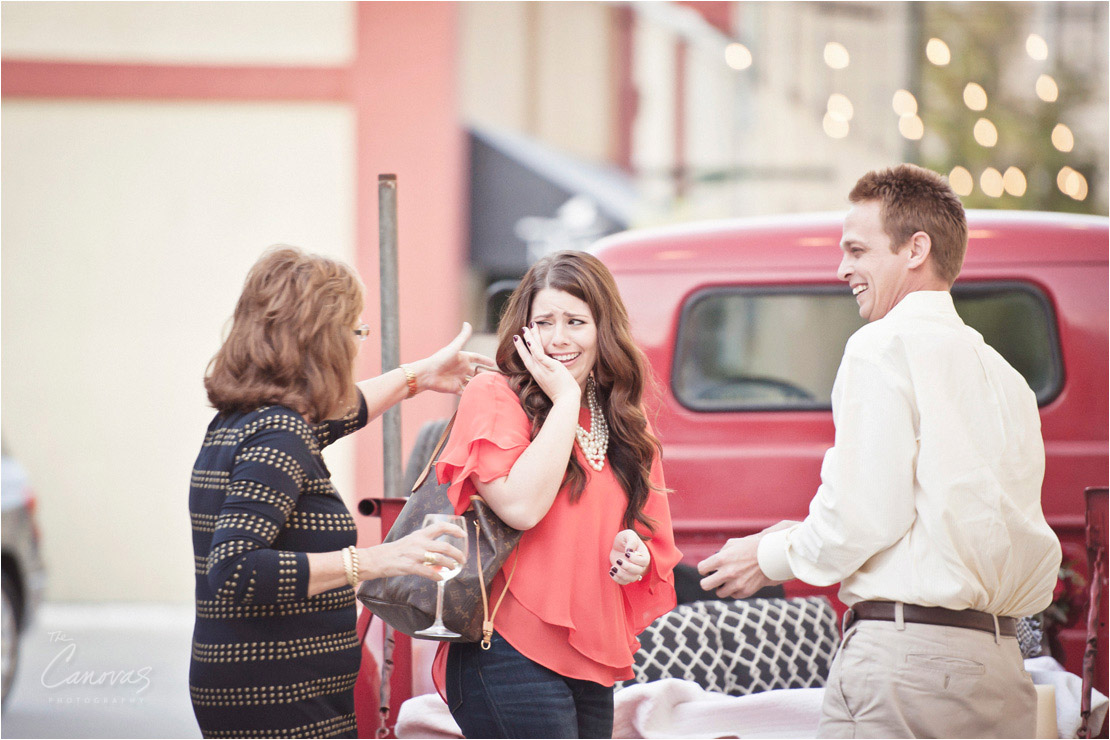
[{"x": 275, "y": 653}]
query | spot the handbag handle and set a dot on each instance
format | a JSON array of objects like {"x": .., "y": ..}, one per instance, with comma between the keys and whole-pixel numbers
[
  {"x": 435, "y": 453},
  {"x": 487, "y": 621}
]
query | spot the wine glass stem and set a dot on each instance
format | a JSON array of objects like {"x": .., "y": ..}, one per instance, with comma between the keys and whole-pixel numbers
[{"x": 439, "y": 604}]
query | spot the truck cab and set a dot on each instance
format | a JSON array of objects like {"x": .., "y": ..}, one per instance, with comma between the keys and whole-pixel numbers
[{"x": 744, "y": 323}]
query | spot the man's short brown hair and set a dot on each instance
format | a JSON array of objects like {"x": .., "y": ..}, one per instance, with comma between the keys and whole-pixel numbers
[
  {"x": 915, "y": 199},
  {"x": 291, "y": 341}
]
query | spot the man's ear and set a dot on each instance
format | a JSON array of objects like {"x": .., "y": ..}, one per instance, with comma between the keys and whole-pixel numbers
[{"x": 920, "y": 247}]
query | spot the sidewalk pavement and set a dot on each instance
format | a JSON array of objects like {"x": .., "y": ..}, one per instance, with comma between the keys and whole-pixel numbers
[{"x": 104, "y": 670}]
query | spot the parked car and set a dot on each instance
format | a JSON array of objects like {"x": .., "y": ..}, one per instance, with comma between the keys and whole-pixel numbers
[
  {"x": 744, "y": 323},
  {"x": 23, "y": 575}
]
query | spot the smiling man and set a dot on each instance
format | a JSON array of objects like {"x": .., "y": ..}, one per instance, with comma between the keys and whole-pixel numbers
[{"x": 929, "y": 512}]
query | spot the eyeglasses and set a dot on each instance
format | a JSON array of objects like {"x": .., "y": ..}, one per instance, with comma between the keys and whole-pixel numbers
[{"x": 362, "y": 332}]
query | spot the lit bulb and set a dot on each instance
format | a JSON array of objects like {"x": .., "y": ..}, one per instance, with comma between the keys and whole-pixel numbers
[
  {"x": 737, "y": 56},
  {"x": 835, "y": 128},
  {"x": 904, "y": 103},
  {"x": 937, "y": 52},
  {"x": 1046, "y": 89},
  {"x": 840, "y": 107},
  {"x": 961, "y": 181},
  {"x": 911, "y": 127},
  {"x": 1036, "y": 47},
  {"x": 1062, "y": 138},
  {"x": 975, "y": 97},
  {"x": 990, "y": 182},
  {"x": 985, "y": 133},
  {"x": 1072, "y": 183},
  {"x": 836, "y": 56},
  {"x": 1013, "y": 180}
]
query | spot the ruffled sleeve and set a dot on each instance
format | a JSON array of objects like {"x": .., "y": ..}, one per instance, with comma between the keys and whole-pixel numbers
[
  {"x": 491, "y": 431},
  {"x": 648, "y": 599}
]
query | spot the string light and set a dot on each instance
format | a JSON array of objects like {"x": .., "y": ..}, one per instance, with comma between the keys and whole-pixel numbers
[
  {"x": 937, "y": 52},
  {"x": 990, "y": 182},
  {"x": 1046, "y": 89},
  {"x": 1013, "y": 180},
  {"x": 836, "y": 56},
  {"x": 961, "y": 181},
  {"x": 738, "y": 56},
  {"x": 836, "y": 128},
  {"x": 975, "y": 97},
  {"x": 1062, "y": 138},
  {"x": 904, "y": 103},
  {"x": 1036, "y": 47},
  {"x": 839, "y": 106},
  {"x": 985, "y": 133},
  {"x": 911, "y": 127},
  {"x": 1072, "y": 183}
]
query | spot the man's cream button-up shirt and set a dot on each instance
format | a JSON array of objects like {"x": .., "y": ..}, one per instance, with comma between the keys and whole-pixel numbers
[{"x": 931, "y": 494}]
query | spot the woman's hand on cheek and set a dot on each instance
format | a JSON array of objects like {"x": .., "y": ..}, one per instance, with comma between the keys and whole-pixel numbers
[
  {"x": 629, "y": 558},
  {"x": 551, "y": 375}
]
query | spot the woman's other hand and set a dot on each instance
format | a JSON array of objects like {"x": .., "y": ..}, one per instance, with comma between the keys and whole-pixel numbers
[
  {"x": 450, "y": 369},
  {"x": 410, "y": 554},
  {"x": 551, "y": 376},
  {"x": 629, "y": 559}
]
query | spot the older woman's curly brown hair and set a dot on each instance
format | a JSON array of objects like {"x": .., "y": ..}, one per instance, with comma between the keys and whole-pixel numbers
[{"x": 291, "y": 341}]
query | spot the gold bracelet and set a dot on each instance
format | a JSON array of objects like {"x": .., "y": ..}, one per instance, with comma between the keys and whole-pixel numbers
[
  {"x": 352, "y": 577},
  {"x": 345, "y": 556},
  {"x": 410, "y": 380}
]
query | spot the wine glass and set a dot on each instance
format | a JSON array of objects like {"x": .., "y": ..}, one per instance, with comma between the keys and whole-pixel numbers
[{"x": 437, "y": 629}]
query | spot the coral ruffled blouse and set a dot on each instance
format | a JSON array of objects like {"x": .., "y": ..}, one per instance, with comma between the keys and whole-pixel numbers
[{"x": 562, "y": 610}]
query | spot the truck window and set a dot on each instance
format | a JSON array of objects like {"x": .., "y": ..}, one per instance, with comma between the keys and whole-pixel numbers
[{"x": 765, "y": 349}]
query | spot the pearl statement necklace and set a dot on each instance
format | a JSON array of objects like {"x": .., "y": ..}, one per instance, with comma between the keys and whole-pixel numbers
[{"x": 595, "y": 442}]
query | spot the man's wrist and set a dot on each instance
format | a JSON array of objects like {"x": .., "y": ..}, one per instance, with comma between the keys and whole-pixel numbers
[{"x": 771, "y": 555}]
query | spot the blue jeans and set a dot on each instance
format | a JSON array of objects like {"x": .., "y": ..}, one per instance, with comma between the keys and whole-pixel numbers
[{"x": 499, "y": 693}]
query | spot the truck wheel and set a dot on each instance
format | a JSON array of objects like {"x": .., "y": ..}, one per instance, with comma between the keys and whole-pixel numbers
[{"x": 10, "y": 637}]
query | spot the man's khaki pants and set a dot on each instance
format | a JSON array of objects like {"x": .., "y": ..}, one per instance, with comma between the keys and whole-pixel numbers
[{"x": 921, "y": 680}]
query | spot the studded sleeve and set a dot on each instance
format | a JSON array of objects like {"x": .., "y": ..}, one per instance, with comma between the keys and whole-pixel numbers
[
  {"x": 269, "y": 473},
  {"x": 328, "y": 431}
]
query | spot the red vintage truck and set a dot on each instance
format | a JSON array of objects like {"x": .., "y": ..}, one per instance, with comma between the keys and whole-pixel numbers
[{"x": 744, "y": 323}]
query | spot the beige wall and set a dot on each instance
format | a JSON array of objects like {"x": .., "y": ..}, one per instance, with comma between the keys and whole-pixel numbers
[
  {"x": 540, "y": 68},
  {"x": 127, "y": 229},
  {"x": 308, "y": 33}
]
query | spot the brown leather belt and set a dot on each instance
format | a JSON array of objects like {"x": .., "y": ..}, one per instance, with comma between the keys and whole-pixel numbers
[{"x": 966, "y": 618}]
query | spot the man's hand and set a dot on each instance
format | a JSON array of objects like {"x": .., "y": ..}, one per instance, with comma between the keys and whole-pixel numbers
[{"x": 734, "y": 571}]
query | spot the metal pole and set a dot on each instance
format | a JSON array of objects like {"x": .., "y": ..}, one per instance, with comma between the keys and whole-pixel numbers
[{"x": 391, "y": 331}]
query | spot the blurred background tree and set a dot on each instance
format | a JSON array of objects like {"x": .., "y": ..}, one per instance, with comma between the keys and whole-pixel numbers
[{"x": 1002, "y": 109}]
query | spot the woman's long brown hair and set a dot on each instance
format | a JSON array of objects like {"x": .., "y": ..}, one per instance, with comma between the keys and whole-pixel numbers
[
  {"x": 620, "y": 373},
  {"x": 291, "y": 339}
]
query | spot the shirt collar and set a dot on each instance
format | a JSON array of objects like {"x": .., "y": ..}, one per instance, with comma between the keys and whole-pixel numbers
[{"x": 926, "y": 303}]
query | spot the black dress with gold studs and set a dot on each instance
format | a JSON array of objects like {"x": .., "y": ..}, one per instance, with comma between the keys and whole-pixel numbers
[{"x": 269, "y": 661}]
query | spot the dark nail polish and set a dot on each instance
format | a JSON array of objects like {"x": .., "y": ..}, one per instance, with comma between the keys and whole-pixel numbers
[
  {"x": 628, "y": 553},
  {"x": 620, "y": 562},
  {"x": 516, "y": 338},
  {"x": 532, "y": 325},
  {"x": 612, "y": 571}
]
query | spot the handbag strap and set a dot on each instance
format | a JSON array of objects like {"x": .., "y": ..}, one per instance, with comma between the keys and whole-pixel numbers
[
  {"x": 435, "y": 453},
  {"x": 487, "y": 621}
]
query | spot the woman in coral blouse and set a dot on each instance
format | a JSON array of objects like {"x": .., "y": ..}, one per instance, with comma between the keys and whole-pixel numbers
[{"x": 559, "y": 446}]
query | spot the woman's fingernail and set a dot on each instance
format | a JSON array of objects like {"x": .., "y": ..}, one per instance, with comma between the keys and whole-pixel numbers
[
  {"x": 516, "y": 338},
  {"x": 628, "y": 553},
  {"x": 620, "y": 562},
  {"x": 612, "y": 571},
  {"x": 532, "y": 325}
]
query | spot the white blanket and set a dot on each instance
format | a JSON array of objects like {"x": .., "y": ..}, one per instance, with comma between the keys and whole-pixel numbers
[{"x": 676, "y": 708}]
